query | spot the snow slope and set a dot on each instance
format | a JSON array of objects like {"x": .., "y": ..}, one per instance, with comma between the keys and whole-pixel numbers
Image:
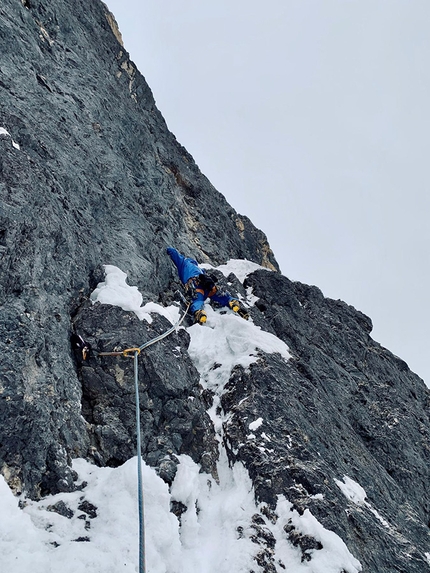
[{"x": 213, "y": 534}]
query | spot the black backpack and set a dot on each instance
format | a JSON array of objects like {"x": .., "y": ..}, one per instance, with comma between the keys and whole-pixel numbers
[{"x": 206, "y": 282}]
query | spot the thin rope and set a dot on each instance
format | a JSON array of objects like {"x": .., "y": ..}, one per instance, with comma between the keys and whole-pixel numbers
[
  {"x": 142, "y": 567},
  {"x": 161, "y": 336},
  {"x": 129, "y": 351}
]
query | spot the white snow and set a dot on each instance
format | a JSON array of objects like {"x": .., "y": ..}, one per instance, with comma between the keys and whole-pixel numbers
[
  {"x": 3, "y": 131},
  {"x": 227, "y": 340},
  {"x": 355, "y": 493},
  {"x": 352, "y": 490},
  {"x": 255, "y": 425},
  {"x": 115, "y": 291},
  {"x": 251, "y": 299},
  {"x": 208, "y": 540},
  {"x": 215, "y": 511},
  {"x": 239, "y": 267},
  {"x": 32, "y": 535},
  {"x": 332, "y": 558},
  {"x": 214, "y": 534},
  {"x": 224, "y": 342}
]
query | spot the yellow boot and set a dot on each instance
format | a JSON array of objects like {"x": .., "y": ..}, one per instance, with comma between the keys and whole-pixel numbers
[
  {"x": 236, "y": 307},
  {"x": 200, "y": 317}
]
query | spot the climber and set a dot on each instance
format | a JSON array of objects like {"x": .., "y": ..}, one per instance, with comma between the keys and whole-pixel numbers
[{"x": 199, "y": 286}]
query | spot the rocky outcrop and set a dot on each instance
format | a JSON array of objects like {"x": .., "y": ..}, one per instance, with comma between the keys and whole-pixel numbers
[
  {"x": 95, "y": 177},
  {"x": 91, "y": 175},
  {"x": 173, "y": 411},
  {"x": 342, "y": 406}
]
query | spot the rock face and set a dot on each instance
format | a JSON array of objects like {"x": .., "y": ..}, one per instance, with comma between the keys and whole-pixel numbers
[
  {"x": 173, "y": 412},
  {"x": 343, "y": 406},
  {"x": 98, "y": 179},
  {"x": 90, "y": 175}
]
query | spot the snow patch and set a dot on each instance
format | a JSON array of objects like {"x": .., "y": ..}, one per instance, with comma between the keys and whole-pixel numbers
[
  {"x": 4, "y": 132},
  {"x": 355, "y": 493},
  {"x": 352, "y": 490},
  {"x": 227, "y": 341},
  {"x": 224, "y": 342},
  {"x": 212, "y": 535},
  {"x": 332, "y": 558},
  {"x": 214, "y": 513},
  {"x": 40, "y": 540},
  {"x": 255, "y": 425},
  {"x": 241, "y": 268},
  {"x": 251, "y": 299},
  {"x": 115, "y": 291}
]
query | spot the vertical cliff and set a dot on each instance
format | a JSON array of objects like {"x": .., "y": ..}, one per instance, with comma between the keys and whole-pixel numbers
[
  {"x": 322, "y": 417},
  {"x": 95, "y": 177}
]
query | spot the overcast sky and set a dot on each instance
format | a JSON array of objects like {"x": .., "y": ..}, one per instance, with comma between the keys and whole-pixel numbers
[{"x": 312, "y": 117}]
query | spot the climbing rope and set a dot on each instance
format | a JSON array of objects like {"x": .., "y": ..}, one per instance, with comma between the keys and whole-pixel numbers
[
  {"x": 134, "y": 353},
  {"x": 142, "y": 567}
]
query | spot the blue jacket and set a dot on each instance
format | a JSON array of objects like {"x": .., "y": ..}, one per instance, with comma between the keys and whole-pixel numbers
[{"x": 187, "y": 267}]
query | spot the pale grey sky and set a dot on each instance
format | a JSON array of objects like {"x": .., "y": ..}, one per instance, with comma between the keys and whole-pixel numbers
[{"x": 312, "y": 117}]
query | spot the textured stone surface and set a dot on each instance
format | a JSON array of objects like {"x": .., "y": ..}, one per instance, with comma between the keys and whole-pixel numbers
[
  {"x": 173, "y": 414},
  {"x": 343, "y": 405},
  {"x": 98, "y": 179}
]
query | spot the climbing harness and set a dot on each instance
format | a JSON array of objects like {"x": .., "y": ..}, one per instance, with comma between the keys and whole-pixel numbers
[{"x": 134, "y": 353}]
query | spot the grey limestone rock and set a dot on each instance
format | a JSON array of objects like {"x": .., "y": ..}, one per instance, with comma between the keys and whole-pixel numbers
[
  {"x": 173, "y": 414},
  {"x": 342, "y": 406},
  {"x": 95, "y": 177}
]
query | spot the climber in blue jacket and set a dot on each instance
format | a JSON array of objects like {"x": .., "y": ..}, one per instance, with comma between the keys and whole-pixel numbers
[{"x": 201, "y": 286}]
